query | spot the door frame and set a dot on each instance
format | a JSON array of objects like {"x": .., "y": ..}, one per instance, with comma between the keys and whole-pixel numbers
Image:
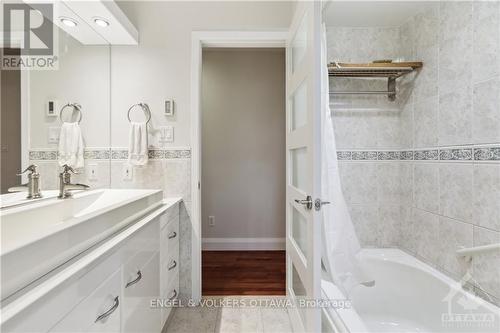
[
  {"x": 17, "y": 41},
  {"x": 200, "y": 40}
]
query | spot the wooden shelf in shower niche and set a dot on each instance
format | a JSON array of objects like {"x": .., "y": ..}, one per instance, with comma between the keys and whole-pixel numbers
[{"x": 389, "y": 70}]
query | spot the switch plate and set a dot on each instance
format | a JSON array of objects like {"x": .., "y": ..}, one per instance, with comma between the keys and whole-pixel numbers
[
  {"x": 211, "y": 221},
  {"x": 53, "y": 135},
  {"x": 166, "y": 134},
  {"x": 92, "y": 172},
  {"x": 52, "y": 108},
  {"x": 127, "y": 172},
  {"x": 169, "y": 107}
]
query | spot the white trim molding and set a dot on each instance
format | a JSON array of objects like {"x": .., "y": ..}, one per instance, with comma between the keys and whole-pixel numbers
[{"x": 244, "y": 244}]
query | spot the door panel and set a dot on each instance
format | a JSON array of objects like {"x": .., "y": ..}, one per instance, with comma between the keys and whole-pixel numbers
[{"x": 303, "y": 144}]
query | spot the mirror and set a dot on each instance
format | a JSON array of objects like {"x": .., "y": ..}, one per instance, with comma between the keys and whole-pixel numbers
[{"x": 32, "y": 123}]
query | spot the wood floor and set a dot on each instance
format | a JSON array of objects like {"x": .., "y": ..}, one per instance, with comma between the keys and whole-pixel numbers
[{"x": 243, "y": 273}]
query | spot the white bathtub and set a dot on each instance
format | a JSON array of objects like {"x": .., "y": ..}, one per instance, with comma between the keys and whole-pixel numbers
[{"x": 409, "y": 296}]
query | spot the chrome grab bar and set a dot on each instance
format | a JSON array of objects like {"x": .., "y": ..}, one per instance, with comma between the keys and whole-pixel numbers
[
  {"x": 139, "y": 277},
  {"x": 469, "y": 252},
  {"x": 116, "y": 302}
]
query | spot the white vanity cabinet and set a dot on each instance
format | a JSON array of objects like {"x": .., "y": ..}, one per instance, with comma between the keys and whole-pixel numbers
[{"x": 111, "y": 288}]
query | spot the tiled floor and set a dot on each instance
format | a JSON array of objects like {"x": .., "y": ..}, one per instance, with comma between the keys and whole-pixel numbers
[{"x": 230, "y": 319}]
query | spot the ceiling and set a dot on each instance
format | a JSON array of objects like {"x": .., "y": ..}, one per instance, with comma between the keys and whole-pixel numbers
[{"x": 372, "y": 13}]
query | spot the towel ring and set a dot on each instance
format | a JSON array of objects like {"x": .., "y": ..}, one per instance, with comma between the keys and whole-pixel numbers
[
  {"x": 75, "y": 106},
  {"x": 144, "y": 108}
]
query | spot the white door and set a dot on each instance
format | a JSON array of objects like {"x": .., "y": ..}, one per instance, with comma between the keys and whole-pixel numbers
[{"x": 303, "y": 145}]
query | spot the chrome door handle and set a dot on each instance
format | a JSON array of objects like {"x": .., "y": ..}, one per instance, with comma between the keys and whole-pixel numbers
[
  {"x": 172, "y": 265},
  {"x": 172, "y": 235},
  {"x": 318, "y": 204},
  {"x": 109, "y": 312},
  {"x": 174, "y": 295},
  {"x": 139, "y": 277},
  {"x": 308, "y": 203}
]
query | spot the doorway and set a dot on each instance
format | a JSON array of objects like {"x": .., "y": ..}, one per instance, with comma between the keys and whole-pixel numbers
[
  {"x": 243, "y": 173},
  {"x": 10, "y": 122}
]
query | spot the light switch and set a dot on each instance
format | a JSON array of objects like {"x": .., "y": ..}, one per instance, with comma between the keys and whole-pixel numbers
[
  {"x": 166, "y": 134},
  {"x": 53, "y": 136}
]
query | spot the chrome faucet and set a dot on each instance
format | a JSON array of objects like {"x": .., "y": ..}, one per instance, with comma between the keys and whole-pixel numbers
[
  {"x": 33, "y": 184},
  {"x": 65, "y": 186}
]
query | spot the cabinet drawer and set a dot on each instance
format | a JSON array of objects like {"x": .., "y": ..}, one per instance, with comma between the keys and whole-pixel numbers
[
  {"x": 169, "y": 215},
  {"x": 49, "y": 310},
  {"x": 169, "y": 237},
  {"x": 138, "y": 315},
  {"x": 171, "y": 293},
  {"x": 104, "y": 301},
  {"x": 169, "y": 267},
  {"x": 145, "y": 240}
]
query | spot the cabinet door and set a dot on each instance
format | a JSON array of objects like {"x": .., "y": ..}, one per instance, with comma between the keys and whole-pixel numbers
[
  {"x": 138, "y": 315},
  {"x": 99, "y": 312}
]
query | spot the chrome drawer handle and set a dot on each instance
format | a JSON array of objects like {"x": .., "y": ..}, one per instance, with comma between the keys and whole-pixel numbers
[
  {"x": 109, "y": 312},
  {"x": 174, "y": 292},
  {"x": 172, "y": 235},
  {"x": 139, "y": 277},
  {"x": 172, "y": 265}
]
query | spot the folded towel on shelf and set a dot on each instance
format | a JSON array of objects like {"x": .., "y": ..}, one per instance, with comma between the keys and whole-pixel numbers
[
  {"x": 71, "y": 145},
  {"x": 138, "y": 144}
]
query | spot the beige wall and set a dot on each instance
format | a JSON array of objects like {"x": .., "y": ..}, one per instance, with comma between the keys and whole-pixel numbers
[{"x": 243, "y": 143}]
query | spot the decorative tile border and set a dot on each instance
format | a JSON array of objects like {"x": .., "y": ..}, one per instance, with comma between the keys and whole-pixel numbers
[
  {"x": 460, "y": 154},
  {"x": 407, "y": 155},
  {"x": 426, "y": 155},
  {"x": 388, "y": 155},
  {"x": 364, "y": 155},
  {"x": 439, "y": 154},
  {"x": 114, "y": 154},
  {"x": 487, "y": 154}
]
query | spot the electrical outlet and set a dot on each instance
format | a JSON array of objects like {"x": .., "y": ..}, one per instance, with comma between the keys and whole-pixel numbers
[
  {"x": 127, "y": 172},
  {"x": 211, "y": 221},
  {"x": 92, "y": 172},
  {"x": 53, "y": 135}
]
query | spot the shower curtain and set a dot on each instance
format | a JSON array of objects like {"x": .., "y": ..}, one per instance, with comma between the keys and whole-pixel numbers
[{"x": 340, "y": 243}]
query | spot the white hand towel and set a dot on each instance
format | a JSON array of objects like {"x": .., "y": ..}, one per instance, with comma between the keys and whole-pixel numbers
[
  {"x": 138, "y": 144},
  {"x": 71, "y": 145}
]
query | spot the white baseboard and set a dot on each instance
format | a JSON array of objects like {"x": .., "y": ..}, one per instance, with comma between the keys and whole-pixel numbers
[{"x": 243, "y": 244}]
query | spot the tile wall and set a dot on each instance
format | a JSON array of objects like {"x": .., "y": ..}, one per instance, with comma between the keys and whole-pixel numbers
[{"x": 426, "y": 178}]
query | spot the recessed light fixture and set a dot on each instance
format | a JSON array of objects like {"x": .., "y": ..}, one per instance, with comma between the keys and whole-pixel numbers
[
  {"x": 101, "y": 22},
  {"x": 68, "y": 22}
]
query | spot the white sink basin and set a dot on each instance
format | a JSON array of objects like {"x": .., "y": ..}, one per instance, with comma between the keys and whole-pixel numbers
[
  {"x": 38, "y": 237},
  {"x": 19, "y": 198}
]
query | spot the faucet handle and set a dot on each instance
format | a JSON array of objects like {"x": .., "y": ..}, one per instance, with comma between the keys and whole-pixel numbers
[
  {"x": 67, "y": 169},
  {"x": 31, "y": 169}
]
